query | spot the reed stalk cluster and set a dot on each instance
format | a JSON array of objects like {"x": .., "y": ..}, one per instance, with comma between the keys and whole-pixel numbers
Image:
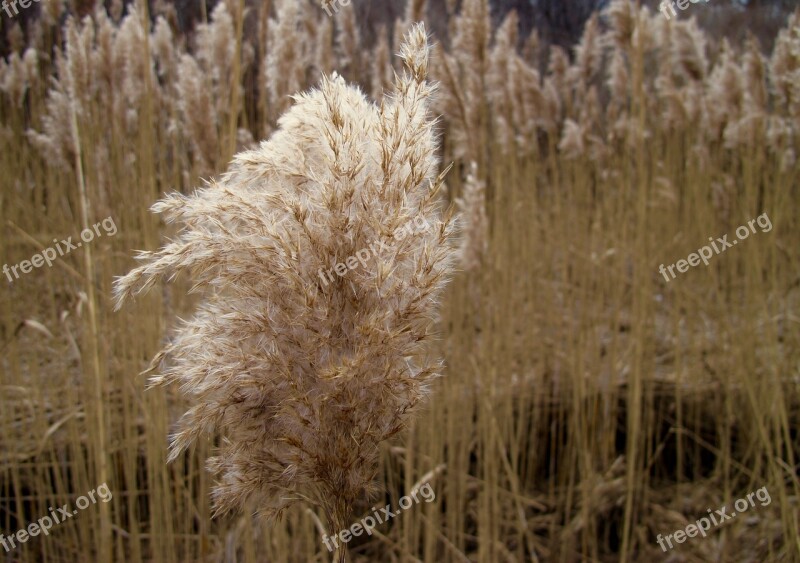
[{"x": 586, "y": 405}]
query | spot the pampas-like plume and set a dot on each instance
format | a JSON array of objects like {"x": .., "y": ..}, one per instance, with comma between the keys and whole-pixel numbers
[
  {"x": 472, "y": 205},
  {"x": 165, "y": 53},
  {"x": 751, "y": 128},
  {"x": 304, "y": 367},
  {"x": 755, "y": 78},
  {"x": 785, "y": 67},
  {"x": 557, "y": 70},
  {"x": 622, "y": 16},
  {"x": 573, "y": 139},
  {"x": 463, "y": 80},
  {"x": 288, "y": 56},
  {"x": 19, "y": 75},
  {"x": 473, "y": 31},
  {"x": 519, "y": 105},
  {"x": 688, "y": 50},
  {"x": 725, "y": 92},
  {"x": 498, "y": 77},
  {"x": 75, "y": 84},
  {"x": 137, "y": 71},
  {"x": 588, "y": 54},
  {"x": 618, "y": 79},
  {"x": 216, "y": 50},
  {"x": 200, "y": 117}
]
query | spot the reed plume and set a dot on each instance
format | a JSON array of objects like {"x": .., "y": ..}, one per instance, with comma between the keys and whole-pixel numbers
[
  {"x": 785, "y": 67},
  {"x": 472, "y": 205},
  {"x": 557, "y": 69},
  {"x": 687, "y": 49},
  {"x": 199, "y": 114},
  {"x": 622, "y": 19},
  {"x": 304, "y": 371},
  {"x": 216, "y": 50},
  {"x": 588, "y": 55},
  {"x": 520, "y": 107},
  {"x": 18, "y": 75},
  {"x": 498, "y": 77},
  {"x": 165, "y": 53},
  {"x": 136, "y": 70},
  {"x": 463, "y": 74},
  {"x": 725, "y": 91},
  {"x": 284, "y": 66},
  {"x": 73, "y": 84}
]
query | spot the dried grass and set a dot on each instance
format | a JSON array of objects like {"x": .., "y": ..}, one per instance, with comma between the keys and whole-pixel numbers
[{"x": 587, "y": 405}]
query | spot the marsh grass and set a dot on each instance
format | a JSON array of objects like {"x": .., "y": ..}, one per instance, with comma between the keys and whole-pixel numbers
[{"x": 586, "y": 405}]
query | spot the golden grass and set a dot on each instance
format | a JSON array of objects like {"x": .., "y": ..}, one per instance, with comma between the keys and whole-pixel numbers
[{"x": 587, "y": 404}]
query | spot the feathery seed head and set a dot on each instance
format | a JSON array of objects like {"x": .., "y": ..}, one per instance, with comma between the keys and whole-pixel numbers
[
  {"x": 472, "y": 205},
  {"x": 306, "y": 369}
]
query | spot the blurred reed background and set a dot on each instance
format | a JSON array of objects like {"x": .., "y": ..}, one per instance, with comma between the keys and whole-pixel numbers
[{"x": 588, "y": 404}]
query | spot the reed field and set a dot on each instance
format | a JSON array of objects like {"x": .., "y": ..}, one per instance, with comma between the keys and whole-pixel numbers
[{"x": 583, "y": 346}]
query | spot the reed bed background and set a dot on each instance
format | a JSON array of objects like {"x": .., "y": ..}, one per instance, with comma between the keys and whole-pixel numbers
[{"x": 587, "y": 405}]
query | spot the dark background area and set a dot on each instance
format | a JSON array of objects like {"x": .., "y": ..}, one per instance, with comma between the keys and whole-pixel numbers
[{"x": 558, "y": 22}]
